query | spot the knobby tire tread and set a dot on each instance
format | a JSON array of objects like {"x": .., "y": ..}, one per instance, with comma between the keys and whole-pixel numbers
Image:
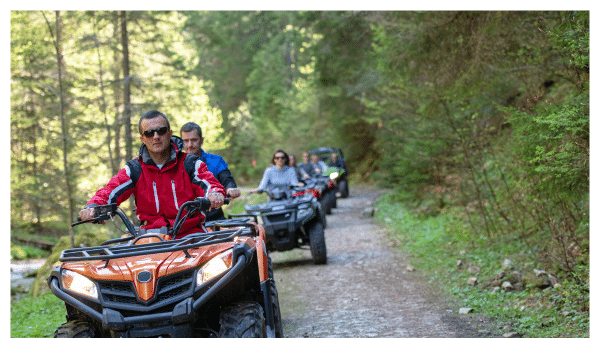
[
  {"x": 243, "y": 320},
  {"x": 276, "y": 311},
  {"x": 76, "y": 329},
  {"x": 317, "y": 243}
]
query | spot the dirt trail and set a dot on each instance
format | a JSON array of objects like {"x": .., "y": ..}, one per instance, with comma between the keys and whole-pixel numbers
[{"x": 364, "y": 290}]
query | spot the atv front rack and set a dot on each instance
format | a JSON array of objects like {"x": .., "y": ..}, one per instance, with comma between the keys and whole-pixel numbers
[
  {"x": 230, "y": 222},
  {"x": 107, "y": 252}
]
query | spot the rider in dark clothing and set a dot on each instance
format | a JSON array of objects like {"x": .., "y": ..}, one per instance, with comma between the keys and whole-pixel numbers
[
  {"x": 300, "y": 173},
  {"x": 337, "y": 162},
  {"x": 310, "y": 168}
]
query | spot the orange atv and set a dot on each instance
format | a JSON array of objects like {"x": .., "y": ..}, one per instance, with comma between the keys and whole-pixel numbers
[{"x": 214, "y": 284}]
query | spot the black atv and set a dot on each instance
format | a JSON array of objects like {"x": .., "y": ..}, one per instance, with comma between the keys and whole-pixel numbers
[
  {"x": 337, "y": 171},
  {"x": 204, "y": 285},
  {"x": 323, "y": 188},
  {"x": 292, "y": 221}
]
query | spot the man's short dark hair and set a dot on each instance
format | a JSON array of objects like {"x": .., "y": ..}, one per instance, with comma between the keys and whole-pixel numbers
[
  {"x": 191, "y": 126},
  {"x": 150, "y": 115}
]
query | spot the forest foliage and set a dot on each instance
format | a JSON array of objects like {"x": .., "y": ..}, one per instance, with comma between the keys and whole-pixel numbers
[{"x": 484, "y": 115}]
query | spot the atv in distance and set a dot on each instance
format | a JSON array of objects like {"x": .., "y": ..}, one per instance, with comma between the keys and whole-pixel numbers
[
  {"x": 323, "y": 188},
  {"x": 291, "y": 221},
  {"x": 338, "y": 171},
  {"x": 205, "y": 285}
]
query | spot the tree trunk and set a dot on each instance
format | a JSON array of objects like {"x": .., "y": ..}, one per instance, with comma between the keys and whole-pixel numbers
[
  {"x": 34, "y": 167},
  {"x": 127, "y": 102},
  {"x": 116, "y": 71},
  {"x": 63, "y": 126},
  {"x": 103, "y": 105},
  {"x": 126, "y": 88}
]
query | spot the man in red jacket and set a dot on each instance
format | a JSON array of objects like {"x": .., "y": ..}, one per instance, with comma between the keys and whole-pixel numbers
[{"x": 169, "y": 177}]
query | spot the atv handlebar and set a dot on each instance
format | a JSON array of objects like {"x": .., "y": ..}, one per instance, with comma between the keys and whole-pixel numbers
[
  {"x": 199, "y": 204},
  {"x": 107, "y": 211},
  {"x": 101, "y": 214}
]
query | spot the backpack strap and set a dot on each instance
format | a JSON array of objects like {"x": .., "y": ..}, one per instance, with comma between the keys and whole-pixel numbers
[
  {"x": 189, "y": 164},
  {"x": 135, "y": 169}
]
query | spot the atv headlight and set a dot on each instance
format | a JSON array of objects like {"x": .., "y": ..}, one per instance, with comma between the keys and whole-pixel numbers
[
  {"x": 214, "y": 267},
  {"x": 79, "y": 284},
  {"x": 334, "y": 175},
  {"x": 303, "y": 213}
]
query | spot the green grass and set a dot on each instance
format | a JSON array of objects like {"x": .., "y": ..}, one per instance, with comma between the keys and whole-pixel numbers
[
  {"x": 236, "y": 206},
  {"x": 33, "y": 317},
  {"x": 26, "y": 252},
  {"x": 435, "y": 244},
  {"x": 38, "y": 234}
]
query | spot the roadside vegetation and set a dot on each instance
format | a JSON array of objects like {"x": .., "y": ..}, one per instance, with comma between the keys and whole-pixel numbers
[
  {"x": 446, "y": 250},
  {"x": 26, "y": 252},
  {"x": 36, "y": 316}
]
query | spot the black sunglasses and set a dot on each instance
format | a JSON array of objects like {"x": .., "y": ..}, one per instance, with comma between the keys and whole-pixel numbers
[
  {"x": 150, "y": 132},
  {"x": 280, "y": 157}
]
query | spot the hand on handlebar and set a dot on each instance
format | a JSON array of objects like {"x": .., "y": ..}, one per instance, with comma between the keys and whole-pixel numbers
[
  {"x": 216, "y": 200},
  {"x": 88, "y": 213},
  {"x": 233, "y": 193}
]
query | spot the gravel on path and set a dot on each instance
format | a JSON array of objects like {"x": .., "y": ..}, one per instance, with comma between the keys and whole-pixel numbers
[{"x": 364, "y": 290}]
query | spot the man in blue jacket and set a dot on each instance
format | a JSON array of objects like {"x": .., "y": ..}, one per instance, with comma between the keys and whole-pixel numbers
[{"x": 191, "y": 133}]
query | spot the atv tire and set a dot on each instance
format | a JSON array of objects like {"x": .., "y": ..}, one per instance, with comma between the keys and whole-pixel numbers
[
  {"x": 276, "y": 311},
  {"x": 76, "y": 329},
  {"x": 326, "y": 203},
  {"x": 270, "y": 268},
  {"x": 275, "y": 301},
  {"x": 243, "y": 320},
  {"x": 316, "y": 237},
  {"x": 343, "y": 188},
  {"x": 322, "y": 217},
  {"x": 333, "y": 199}
]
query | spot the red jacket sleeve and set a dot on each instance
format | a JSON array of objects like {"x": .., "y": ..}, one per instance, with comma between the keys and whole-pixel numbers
[
  {"x": 118, "y": 189},
  {"x": 204, "y": 181}
]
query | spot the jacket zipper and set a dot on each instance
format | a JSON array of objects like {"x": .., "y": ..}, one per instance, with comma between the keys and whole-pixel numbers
[
  {"x": 155, "y": 196},
  {"x": 174, "y": 195}
]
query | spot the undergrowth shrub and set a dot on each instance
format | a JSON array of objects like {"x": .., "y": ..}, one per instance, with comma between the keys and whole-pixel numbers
[{"x": 436, "y": 244}]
